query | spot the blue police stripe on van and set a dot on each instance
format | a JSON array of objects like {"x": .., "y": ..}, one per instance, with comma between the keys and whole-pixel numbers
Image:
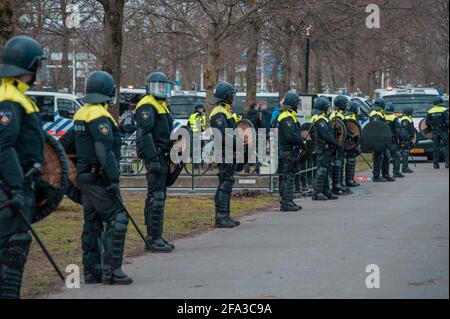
[{"x": 58, "y": 127}]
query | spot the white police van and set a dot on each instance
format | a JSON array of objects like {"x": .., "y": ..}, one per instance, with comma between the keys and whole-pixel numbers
[{"x": 56, "y": 110}]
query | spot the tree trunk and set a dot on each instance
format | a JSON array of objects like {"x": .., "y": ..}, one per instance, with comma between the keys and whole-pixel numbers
[
  {"x": 252, "y": 61},
  {"x": 275, "y": 82},
  {"x": 285, "y": 84},
  {"x": 212, "y": 67},
  {"x": 113, "y": 22},
  {"x": 64, "y": 78},
  {"x": 333, "y": 83},
  {"x": 6, "y": 23},
  {"x": 318, "y": 71}
]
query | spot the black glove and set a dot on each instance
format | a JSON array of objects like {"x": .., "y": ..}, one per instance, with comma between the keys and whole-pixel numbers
[
  {"x": 113, "y": 189},
  {"x": 17, "y": 200},
  {"x": 153, "y": 166}
]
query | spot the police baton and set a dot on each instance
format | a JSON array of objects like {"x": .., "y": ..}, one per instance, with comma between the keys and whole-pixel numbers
[
  {"x": 365, "y": 161},
  {"x": 41, "y": 244},
  {"x": 34, "y": 170}
]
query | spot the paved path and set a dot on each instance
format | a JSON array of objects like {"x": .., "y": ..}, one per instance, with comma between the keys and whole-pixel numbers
[{"x": 320, "y": 252}]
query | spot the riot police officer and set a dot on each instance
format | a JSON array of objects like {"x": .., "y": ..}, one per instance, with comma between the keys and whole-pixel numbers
[
  {"x": 408, "y": 126},
  {"x": 351, "y": 113},
  {"x": 21, "y": 150},
  {"x": 154, "y": 125},
  {"x": 437, "y": 120},
  {"x": 197, "y": 120},
  {"x": 380, "y": 159},
  {"x": 221, "y": 119},
  {"x": 289, "y": 142},
  {"x": 97, "y": 143},
  {"x": 340, "y": 105},
  {"x": 398, "y": 137},
  {"x": 326, "y": 145}
]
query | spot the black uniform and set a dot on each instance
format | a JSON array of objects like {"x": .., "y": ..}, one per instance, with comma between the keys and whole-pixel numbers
[
  {"x": 398, "y": 137},
  {"x": 380, "y": 159},
  {"x": 325, "y": 146},
  {"x": 350, "y": 163},
  {"x": 338, "y": 161},
  {"x": 97, "y": 139},
  {"x": 437, "y": 119},
  {"x": 221, "y": 118},
  {"x": 21, "y": 146},
  {"x": 154, "y": 125},
  {"x": 93, "y": 225},
  {"x": 408, "y": 128},
  {"x": 289, "y": 141}
]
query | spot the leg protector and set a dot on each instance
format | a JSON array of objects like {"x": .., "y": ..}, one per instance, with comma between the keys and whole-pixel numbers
[
  {"x": 350, "y": 172},
  {"x": 114, "y": 243},
  {"x": 396, "y": 159},
  {"x": 157, "y": 204},
  {"x": 12, "y": 269},
  {"x": 287, "y": 196},
  {"x": 91, "y": 244}
]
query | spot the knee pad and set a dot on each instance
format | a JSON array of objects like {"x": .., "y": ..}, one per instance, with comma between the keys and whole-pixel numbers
[
  {"x": 337, "y": 163},
  {"x": 18, "y": 246},
  {"x": 226, "y": 185},
  {"x": 119, "y": 222}
]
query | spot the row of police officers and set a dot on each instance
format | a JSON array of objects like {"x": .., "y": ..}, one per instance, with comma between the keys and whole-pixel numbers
[{"x": 95, "y": 138}]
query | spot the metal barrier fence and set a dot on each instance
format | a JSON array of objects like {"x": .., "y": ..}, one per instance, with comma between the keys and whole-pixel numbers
[{"x": 203, "y": 177}]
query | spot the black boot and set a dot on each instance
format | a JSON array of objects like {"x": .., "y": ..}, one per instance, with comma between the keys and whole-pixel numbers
[
  {"x": 319, "y": 197},
  {"x": 398, "y": 175},
  {"x": 158, "y": 244},
  {"x": 290, "y": 207},
  {"x": 407, "y": 170},
  {"x": 350, "y": 173},
  {"x": 446, "y": 164},
  {"x": 320, "y": 184},
  {"x": 114, "y": 245},
  {"x": 389, "y": 178},
  {"x": 379, "y": 179},
  {"x": 436, "y": 165},
  {"x": 287, "y": 196}
]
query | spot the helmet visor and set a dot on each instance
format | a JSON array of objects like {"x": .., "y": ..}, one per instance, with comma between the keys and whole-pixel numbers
[{"x": 159, "y": 89}]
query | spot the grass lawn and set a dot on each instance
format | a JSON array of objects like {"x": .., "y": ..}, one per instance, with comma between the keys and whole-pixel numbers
[
  {"x": 61, "y": 232},
  {"x": 361, "y": 165}
]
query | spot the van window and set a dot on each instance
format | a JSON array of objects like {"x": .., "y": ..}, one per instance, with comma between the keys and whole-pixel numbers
[
  {"x": 46, "y": 104},
  {"x": 66, "y": 108}
]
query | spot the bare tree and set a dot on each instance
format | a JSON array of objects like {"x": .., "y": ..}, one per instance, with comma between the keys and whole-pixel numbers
[{"x": 6, "y": 21}]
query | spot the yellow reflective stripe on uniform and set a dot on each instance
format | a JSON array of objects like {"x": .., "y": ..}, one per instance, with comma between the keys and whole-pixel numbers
[
  {"x": 91, "y": 112},
  {"x": 160, "y": 107},
  {"x": 351, "y": 117},
  {"x": 316, "y": 117},
  {"x": 373, "y": 113},
  {"x": 406, "y": 118},
  {"x": 338, "y": 114},
  {"x": 224, "y": 109},
  {"x": 14, "y": 90},
  {"x": 390, "y": 117},
  {"x": 437, "y": 109},
  {"x": 286, "y": 114}
]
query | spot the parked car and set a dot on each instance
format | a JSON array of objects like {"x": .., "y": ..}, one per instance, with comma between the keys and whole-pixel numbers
[{"x": 56, "y": 110}]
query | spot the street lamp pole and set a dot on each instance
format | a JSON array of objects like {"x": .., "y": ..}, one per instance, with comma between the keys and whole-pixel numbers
[{"x": 306, "y": 65}]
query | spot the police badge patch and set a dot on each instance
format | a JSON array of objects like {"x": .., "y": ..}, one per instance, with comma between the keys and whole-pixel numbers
[
  {"x": 145, "y": 115},
  {"x": 5, "y": 117},
  {"x": 103, "y": 128}
]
